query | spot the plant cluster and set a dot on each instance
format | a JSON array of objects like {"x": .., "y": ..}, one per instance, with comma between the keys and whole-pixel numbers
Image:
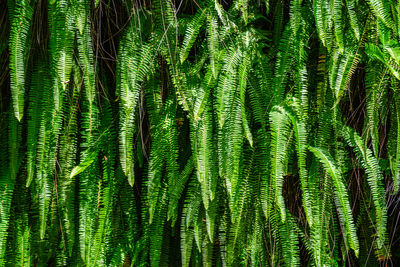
[{"x": 199, "y": 132}]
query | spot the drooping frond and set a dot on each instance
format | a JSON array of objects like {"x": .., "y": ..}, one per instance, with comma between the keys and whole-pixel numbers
[
  {"x": 280, "y": 130},
  {"x": 61, "y": 46},
  {"x": 135, "y": 65},
  {"x": 300, "y": 131},
  {"x": 21, "y": 20},
  {"x": 227, "y": 85},
  {"x": 341, "y": 196},
  {"x": 381, "y": 10},
  {"x": 396, "y": 178},
  {"x": 206, "y": 163},
  {"x": 375, "y": 177},
  {"x": 354, "y": 21},
  {"x": 192, "y": 31},
  {"x": 199, "y": 133},
  {"x": 10, "y": 166},
  {"x": 321, "y": 14}
]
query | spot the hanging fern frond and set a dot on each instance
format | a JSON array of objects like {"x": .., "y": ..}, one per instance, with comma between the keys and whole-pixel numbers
[
  {"x": 199, "y": 133},
  {"x": 213, "y": 41},
  {"x": 375, "y": 52},
  {"x": 227, "y": 88},
  {"x": 321, "y": 14},
  {"x": 192, "y": 31},
  {"x": 136, "y": 64},
  {"x": 337, "y": 17},
  {"x": 10, "y": 169},
  {"x": 20, "y": 31},
  {"x": 203, "y": 141},
  {"x": 280, "y": 131},
  {"x": 61, "y": 46},
  {"x": 289, "y": 240},
  {"x": 341, "y": 196},
  {"x": 354, "y": 21},
  {"x": 396, "y": 174},
  {"x": 375, "y": 177},
  {"x": 243, "y": 72},
  {"x": 381, "y": 10},
  {"x": 301, "y": 147}
]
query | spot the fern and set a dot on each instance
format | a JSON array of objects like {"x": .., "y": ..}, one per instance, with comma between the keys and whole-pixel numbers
[
  {"x": 213, "y": 41},
  {"x": 288, "y": 234},
  {"x": 61, "y": 46},
  {"x": 19, "y": 36},
  {"x": 337, "y": 14},
  {"x": 376, "y": 53},
  {"x": 204, "y": 133},
  {"x": 35, "y": 111},
  {"x": 382, "y": 11},
  {"x": 375, "y": 178},
  {"x": 134, "y": 68},
  {"x": 354, "y": 21},
  {"x": 321, "y": 10},
  {"x": 375, "y": 85},
  {"x": 243, "y": 72},
  {"x": 192, "y": 31},
  {"x": 280, "y": 131},
  {"x": 68, "y": 145},
  {"x": 227, "y": 85},
  {"x": 341, "y": 195},
  {"x": 396, "y": 173},
  {"x": 203, "y": 138},
  {"x": 10, "y": 168}
]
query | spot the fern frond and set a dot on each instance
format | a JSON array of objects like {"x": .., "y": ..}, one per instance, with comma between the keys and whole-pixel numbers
[
  {"x": 381, "y": 10},
  {"x": 341, "y": 195},
  {"x": 243, "y": 72},
  {"x": 192, "y": 31},
  {"x": 21, "y": 21},
  {"x": 344, "y": 68},
  {"x": 354, "y": 21},
  {"x": 301, "y": 147},
  {"x": 189, "y": 213},
  {"x": 177, "y": 190},
  {"x": 67, "y": 160},
  {"x": 88, "y": 179},
  {"x": 396, "y": 172},
  {"x": 282, "y": 66},
  {"x": 61, "y": 46},
  {"x": 213, "y": 41},
  {"x": 337, "y": 17},
  {"x": 227, "y": 85},
  {"x": 8, "y": 178},
  {"x": 321, "y": 14},
  {"x": 375, "y": 178},
  {"x": 375, "y": 52},
  {"x": 35, "y": 110},
  {"x": 206, "y": 87},
  {"x": 202, "y": 143},
  {"x": 230, "y": 148},
  {"x": 135, "y": 65},
  {"x": 289, "y": 240}
]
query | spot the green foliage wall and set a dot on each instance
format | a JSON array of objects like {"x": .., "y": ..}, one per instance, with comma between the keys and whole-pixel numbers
[{"x": 199, "y": 133}]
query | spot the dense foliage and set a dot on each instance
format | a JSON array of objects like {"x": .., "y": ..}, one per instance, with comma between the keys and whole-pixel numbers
[{"x": 199, "y": 132}]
